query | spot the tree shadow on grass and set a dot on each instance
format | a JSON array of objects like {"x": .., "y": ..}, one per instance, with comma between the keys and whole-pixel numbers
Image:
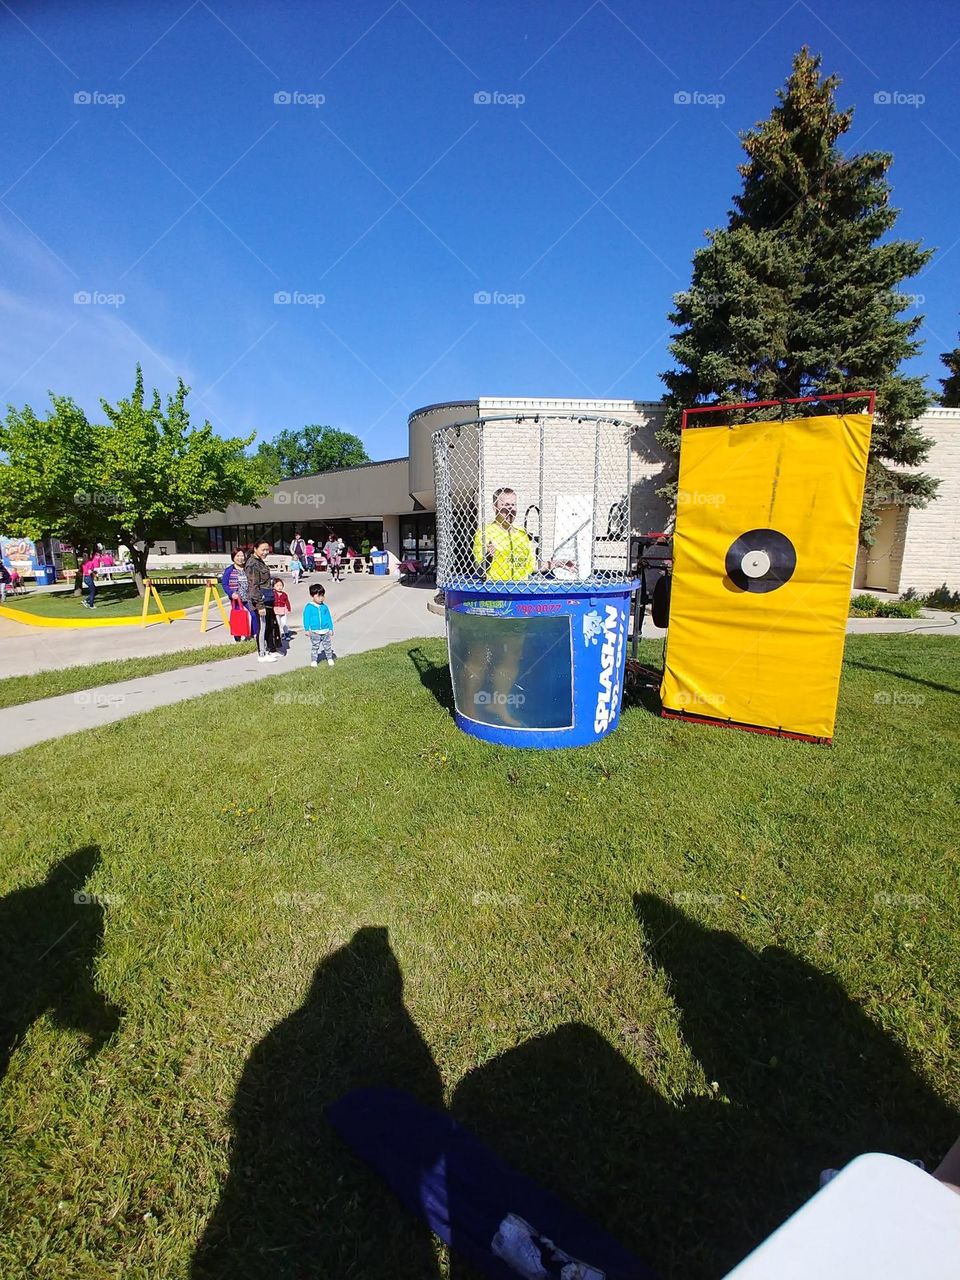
[
  {"x": 50, "y": 936},
  {"x": 900, "y": 675},
  {"x": 296, "y": 1203},
  {"x": 434, "y": 676}
]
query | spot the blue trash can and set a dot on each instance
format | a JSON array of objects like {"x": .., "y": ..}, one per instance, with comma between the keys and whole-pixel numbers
[
  {"x": 44, "y": 575},
  {"x": 381, "y": 562}
]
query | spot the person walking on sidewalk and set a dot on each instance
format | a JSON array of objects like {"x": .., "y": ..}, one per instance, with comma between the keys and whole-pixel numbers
[
  {"x": 260, "y": 593},
  {"x": 318, "y": 624},
  {"x": 331, "y": 551},
  {"x": 298, "y": 549}
]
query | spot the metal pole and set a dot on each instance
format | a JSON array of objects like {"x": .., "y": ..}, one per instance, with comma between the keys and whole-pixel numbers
[
  {"x": 596, "y": 489},
  {"x": 540, "y": 545}
]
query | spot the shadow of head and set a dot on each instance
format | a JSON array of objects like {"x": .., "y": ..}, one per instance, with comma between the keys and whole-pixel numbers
[
  {"x": 810, "y": 1073},
  {"x": 296, "y": 1201},
  {"x": 570, "y": 1110},
  {"x": 51, "y": 934},
  {"x": 434, "y": 676}
]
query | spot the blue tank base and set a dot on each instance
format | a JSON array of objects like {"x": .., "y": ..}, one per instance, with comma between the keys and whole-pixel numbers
[
  {"x": 533, "y": 739},
  {"x": 538, "y": 670}
]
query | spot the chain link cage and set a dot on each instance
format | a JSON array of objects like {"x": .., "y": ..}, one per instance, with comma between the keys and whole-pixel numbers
[{"x": 527, "y": 502}]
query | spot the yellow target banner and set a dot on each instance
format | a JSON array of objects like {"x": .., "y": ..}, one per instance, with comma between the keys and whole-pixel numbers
[{"x": 764, "y": 554}]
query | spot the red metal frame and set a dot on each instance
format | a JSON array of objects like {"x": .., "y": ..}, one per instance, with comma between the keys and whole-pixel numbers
[
  {"x": 768, "y": 404},
  {"x": 871, "y": 397},
  {"x": 748, "y": 728}
]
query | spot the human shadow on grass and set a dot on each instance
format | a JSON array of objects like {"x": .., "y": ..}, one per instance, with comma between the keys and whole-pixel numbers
[
  {"x": 798, "y": 1079},
  {"x": 804, "y": 1079},
  {"x": 296, "y": 1202},
  {"x": 434, "y": 676},
  {"x": 570, "y": 1112},
  {"x": 50, "y": 936}
]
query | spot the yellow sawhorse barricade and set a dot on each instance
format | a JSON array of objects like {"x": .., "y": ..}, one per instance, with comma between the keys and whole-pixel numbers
[{"x": 212, "y": 592}]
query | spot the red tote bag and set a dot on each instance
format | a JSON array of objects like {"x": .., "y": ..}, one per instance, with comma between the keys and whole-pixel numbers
[{"x": 240, "y": 621}]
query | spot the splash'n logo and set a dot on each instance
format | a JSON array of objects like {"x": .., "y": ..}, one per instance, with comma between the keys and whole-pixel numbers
[{"x": 611, "y": 661}]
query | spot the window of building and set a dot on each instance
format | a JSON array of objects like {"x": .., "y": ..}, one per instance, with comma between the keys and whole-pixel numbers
[{"x": 418, "y": 537}]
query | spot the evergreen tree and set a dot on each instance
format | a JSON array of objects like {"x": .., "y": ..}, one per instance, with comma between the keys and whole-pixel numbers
[
  {"x": 797, "y": 295},
  {"x": 950, "y": 397}
]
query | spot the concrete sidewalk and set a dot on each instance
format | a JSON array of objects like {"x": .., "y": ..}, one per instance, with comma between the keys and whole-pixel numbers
[
  {"x": 931, "y": 621},
  {"x": 369, "y": 621},
  {"x": 25, "y": 650}
]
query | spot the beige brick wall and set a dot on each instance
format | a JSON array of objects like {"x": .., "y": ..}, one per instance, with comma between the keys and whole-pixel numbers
[
  {"x": 569, "y": 452},
  {"x": 926, "y": 551},
  {"x": 931, "y": 544}
]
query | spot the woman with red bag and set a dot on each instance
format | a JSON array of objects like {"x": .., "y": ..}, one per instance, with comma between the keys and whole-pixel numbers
[{"x": 244, "y": 622}]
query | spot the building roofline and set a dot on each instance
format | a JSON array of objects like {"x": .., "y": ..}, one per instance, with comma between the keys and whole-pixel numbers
[
  {"x": 444, "y": 404},
  {"x": 332, "y": 471},
  {"x": 624, "y": 403}
]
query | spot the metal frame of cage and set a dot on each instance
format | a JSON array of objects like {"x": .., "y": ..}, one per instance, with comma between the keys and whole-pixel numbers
[{"x": 577, "y": 483}]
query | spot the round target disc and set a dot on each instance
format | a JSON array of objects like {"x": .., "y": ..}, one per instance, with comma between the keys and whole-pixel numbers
[{"x": 760, "y": 560}]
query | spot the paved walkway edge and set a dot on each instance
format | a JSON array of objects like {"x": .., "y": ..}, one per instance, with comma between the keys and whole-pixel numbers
[{"x": 70, "y": 713}]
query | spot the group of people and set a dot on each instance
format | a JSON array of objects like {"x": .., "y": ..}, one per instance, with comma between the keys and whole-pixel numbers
[
  {"x": 9, "y": 580},
  {"x": 303, "y": 555},
  {"x": 92, "y": 568},
  {"x": 248, "y": 583}
]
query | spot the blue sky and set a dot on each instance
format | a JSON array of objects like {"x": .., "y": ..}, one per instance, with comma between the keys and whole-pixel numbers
[{"x": 582, "y": 187}]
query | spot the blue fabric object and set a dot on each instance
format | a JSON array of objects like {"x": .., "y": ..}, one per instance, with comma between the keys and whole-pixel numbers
[
  {"x": 465, "y": 1193},
  {"x": 317, "y": 617}
]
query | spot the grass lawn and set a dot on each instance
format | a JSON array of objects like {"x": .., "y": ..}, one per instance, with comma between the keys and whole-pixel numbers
[
  {"x": 671, "y": 976},
  {"x": 15, "y": 690},
  {"x": 114, "y": 600}
]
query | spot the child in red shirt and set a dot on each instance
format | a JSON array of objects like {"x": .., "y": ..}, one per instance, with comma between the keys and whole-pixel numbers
[{"x": 282, "y": 608}]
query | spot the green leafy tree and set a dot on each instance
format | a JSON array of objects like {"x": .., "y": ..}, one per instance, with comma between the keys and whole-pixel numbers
[
  {"x": 162, "y": 471},
  {"x": 797, "y": 295},
  {"x": 311, "y": 449},
  {"x": 51, "y": 477},
  {"x": 950, "y": 398}
]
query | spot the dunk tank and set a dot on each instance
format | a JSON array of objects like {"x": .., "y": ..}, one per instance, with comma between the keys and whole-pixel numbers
[{"x": 533, "y": 555}]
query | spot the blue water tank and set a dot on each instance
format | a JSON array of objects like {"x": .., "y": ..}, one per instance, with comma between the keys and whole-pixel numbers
[{"x": 539, "y": 669}]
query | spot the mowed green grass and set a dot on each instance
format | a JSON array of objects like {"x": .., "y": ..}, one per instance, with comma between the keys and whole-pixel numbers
[
  {"x": 113, "y": 600},
  {"x": 671, "y": 976}
]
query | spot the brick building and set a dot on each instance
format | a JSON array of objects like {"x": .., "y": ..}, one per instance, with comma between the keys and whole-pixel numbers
[{"x": 393, "y": 504}]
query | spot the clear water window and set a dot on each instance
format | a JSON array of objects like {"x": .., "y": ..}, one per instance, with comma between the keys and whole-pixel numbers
[{"x": 514, "y": 673}]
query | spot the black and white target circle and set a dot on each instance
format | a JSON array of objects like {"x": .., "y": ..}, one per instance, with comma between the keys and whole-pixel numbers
[{"x": 761, "y": 560}]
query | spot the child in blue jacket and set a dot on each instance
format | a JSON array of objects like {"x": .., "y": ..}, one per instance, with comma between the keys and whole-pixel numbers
[{"x": 318, "y": 624}]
